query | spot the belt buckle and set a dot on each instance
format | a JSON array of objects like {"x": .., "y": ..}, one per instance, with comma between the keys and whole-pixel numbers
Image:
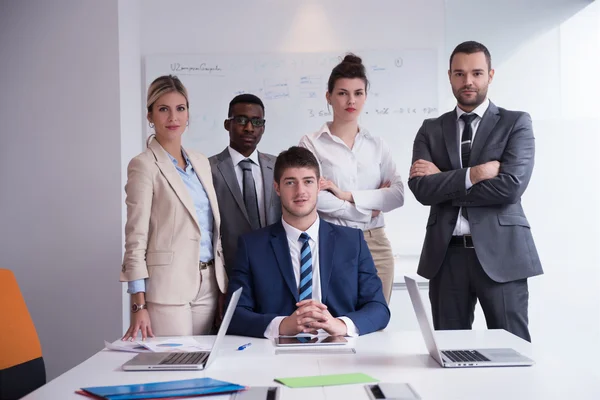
[{"x": 465, "y": 242}]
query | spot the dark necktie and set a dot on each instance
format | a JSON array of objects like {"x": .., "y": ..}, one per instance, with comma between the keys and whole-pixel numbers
[
  {"x": 250, "y": 199},
  {"x": 305, "y": 287},
  {"x": 467, "y": 137},
  {"x": 465, "y": 146}
]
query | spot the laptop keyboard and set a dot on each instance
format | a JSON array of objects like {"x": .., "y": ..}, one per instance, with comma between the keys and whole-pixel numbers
[
  {"x": 464, "y": 355},
  {"x": 185, "y": 358}
]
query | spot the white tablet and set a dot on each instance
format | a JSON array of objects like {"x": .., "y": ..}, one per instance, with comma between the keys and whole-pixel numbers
[{"x": 285, "y": 341}]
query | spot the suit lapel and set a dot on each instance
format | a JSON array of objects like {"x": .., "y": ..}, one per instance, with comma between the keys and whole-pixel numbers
[
  {"x": 169, "y": 171},
  {"x": 449, "y": 130},
  {"x": 284, "y": 261},
  {"x": 226, "y": 169},
  {"x": 326, "y": 252},
  {"x": 487, "y": 124},
  {"x": 205, "y": 177},
  {"x": 266, "y": 167}
]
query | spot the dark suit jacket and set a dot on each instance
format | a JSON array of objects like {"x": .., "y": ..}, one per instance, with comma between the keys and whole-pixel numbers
[
  {"x": 350, "y": 286},
  {"x": 501, "y": 233},
  {"x": 234, "y": 218}
]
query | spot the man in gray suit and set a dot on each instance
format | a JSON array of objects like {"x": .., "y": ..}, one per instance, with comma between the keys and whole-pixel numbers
[
  {"x": 243, "y": 176},
  {"x": 472, "y": 165}
]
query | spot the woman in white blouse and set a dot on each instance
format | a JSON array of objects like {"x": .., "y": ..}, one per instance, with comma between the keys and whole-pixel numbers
[{"x": 359, "y": 178}]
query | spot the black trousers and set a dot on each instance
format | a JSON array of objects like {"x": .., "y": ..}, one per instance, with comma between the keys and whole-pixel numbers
[{"x": 461, "y": 281}]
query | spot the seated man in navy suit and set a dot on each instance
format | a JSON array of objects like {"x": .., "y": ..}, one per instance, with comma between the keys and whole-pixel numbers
[{"x": 303, "y": 274}]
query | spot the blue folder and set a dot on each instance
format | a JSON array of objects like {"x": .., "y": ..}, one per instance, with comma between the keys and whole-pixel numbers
[{"x": 160, "y": 390}]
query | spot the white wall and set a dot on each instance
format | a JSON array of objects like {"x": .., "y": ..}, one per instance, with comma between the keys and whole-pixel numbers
[
  {"x": 132, "y": 105},
  {"x": 60, "y": 172},
  {"x": 546, "y": 64}
]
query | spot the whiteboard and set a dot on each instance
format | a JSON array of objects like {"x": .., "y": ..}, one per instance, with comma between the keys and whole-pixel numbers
[{"x": 403, "y": 92}]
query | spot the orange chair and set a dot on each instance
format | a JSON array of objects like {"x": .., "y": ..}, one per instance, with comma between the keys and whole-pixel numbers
[{"x": 22, "y": 367}]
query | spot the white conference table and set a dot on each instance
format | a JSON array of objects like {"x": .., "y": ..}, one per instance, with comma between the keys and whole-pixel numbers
[{"x": 386, "y": 356}]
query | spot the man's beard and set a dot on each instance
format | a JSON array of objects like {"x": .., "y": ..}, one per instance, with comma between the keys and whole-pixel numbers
[
  {"x": 476, "y": 101},
  {"x": 299, "y": 215}
]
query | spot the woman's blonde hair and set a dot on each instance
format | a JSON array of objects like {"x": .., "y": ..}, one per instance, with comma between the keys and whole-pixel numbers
[{"x": 165, "y": 84}]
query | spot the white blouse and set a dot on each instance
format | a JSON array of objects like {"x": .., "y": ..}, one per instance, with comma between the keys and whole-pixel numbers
[{"x": 360, "y": 170}]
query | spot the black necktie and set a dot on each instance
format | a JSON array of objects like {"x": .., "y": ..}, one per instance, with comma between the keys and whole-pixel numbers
[
  {"x": 250, "y": 199},
  {"x": 465, "y": 147},
  {"x": 467, "y": 137}
]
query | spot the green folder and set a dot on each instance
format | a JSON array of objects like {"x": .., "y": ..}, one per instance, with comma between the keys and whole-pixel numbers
[{"x": 326, "y": 380}]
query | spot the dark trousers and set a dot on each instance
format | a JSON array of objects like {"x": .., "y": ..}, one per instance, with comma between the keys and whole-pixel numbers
[{"x": 461, "y": 281}]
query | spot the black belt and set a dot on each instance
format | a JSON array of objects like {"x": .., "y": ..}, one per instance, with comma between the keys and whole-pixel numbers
[
  {"x": 465, "y": 241},
  {"x": 204, "y": 265}
]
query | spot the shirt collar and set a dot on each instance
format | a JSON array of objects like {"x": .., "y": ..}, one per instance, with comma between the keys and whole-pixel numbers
[
  {"x": 479, "y": 111},
  {"x": 294, "y": 234},
  {"x": 185, "y": 157},
  {"x": 237, "y": 157},
  {"x": 326, "y": 131}
]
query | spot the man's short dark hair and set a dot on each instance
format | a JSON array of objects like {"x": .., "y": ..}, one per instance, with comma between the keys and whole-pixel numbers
[
  {"x": 245, "y": 98},
  {"x": 295, "y": 157},
  {"x": 471, "y": 47}
]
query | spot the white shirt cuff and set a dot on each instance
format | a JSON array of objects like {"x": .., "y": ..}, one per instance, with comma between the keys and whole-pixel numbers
[
  {"x": 351, "y": 329},
  {"x": 468, "y": 183},
  {"x": 272, "y": 330}
]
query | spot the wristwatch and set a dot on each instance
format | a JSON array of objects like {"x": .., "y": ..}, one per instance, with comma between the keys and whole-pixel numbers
[{"x": 137, "y": 307}]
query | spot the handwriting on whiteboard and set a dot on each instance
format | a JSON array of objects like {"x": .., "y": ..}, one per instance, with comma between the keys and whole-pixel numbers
[
  {"x": 404, "y": 110},
  {"x": 383, "y": 111},
  {"x": 200, "y": 69}
]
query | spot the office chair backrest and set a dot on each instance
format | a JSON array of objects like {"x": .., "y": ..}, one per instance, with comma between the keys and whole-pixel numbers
[{"x": 21, "y": 364}]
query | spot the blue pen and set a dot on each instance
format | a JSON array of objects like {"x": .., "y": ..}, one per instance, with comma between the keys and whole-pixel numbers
[{"x": 242, "y": 347}]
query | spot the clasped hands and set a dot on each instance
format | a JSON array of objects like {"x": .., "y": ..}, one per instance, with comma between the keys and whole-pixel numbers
[{"x": 309, "y": 317}]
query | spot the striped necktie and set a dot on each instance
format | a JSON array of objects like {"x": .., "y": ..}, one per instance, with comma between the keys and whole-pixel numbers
[{"x": 305, "y": 288}]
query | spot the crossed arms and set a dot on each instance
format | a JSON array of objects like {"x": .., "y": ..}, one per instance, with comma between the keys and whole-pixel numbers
[{"x": 494, "y": 182}]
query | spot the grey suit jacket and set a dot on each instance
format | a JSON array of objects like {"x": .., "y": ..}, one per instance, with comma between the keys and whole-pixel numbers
[
  {"x": 501, "y": 233},
  {"x": 234, "y": 218}
]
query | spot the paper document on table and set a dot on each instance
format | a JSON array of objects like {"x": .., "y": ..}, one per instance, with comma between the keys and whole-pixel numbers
[
  {"x": 180, "y": 345},
  {"x": 125, "y": 345}
]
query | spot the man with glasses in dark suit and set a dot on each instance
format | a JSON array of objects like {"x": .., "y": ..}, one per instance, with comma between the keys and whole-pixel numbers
[{"x": 243, "y": 176}]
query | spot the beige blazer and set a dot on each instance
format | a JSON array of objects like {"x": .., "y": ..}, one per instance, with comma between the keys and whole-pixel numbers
[{"x": 162, "y": 235}]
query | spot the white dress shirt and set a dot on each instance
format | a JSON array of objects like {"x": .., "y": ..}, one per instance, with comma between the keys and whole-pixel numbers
[
  {"x": 462, "y": 225},
  {"x": 359, "y": 170},
  {"x": 236, "y": 157},
  {"x": 293, "y": 236}
]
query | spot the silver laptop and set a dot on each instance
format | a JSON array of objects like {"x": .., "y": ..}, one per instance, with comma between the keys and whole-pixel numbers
[
  {"x": 460, "y": 357},
  {"x": 178, "y": 361}
]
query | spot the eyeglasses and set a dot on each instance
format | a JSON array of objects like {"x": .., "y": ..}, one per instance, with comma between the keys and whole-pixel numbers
[{"x": 243, "y": 120}]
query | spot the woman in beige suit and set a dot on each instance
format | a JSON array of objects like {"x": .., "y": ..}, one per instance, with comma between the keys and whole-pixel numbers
[{"x": 173, "y": 262}]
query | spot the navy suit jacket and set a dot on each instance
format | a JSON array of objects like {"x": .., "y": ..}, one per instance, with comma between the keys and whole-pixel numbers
[{"x": 350, "y": 286}]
